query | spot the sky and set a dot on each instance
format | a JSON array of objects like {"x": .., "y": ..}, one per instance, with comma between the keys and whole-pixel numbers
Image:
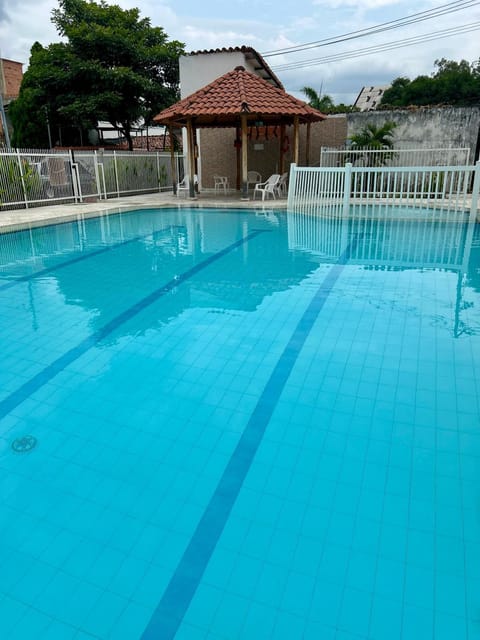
[{"x": 274, "y": 25}]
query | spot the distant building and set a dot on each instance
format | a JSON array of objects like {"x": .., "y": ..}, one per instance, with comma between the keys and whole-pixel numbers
[
  {"x": 369, "y": 97},
  {"x": 11, "y": 75}
]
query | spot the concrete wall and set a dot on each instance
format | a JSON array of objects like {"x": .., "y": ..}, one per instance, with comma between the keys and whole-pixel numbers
[{"x": 425, "y": 127}]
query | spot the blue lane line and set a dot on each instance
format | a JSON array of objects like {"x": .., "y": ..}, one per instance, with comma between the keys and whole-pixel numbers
[
  {"x": 44, "y": 376},
  {"x": 180, "y": 591},
  {"x": 84, "y": 256}
]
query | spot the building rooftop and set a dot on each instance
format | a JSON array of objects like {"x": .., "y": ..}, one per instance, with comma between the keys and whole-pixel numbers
[{"x": 369, "y": 97}]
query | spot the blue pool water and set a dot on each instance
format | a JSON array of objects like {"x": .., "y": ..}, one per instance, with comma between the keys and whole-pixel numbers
[{"x": 240, "y": 425}]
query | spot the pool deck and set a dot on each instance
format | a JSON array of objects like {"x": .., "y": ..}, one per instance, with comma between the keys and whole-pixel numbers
[
  {"x": 17, "y": 219},
  {"x": 39, "y": 216}
]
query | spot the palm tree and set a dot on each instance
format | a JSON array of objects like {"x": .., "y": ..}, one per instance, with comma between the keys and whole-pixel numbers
[
  {"x": 375, "y": 138},
  {"x": 317, "y": 101}
]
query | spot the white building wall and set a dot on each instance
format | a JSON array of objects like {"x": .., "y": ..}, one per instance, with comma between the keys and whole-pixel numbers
[{"x": 200, "y": 69}]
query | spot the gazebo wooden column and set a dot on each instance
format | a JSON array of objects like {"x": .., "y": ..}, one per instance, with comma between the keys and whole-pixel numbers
[
  {"x": 281, "y": 164},
  {"x": 295, "y": 139},
  {"x": 243, "y": 122},
  {"x": 191, "y": 159},
  {"x": 238, "y": 159},
  {"x": 173, "y": 164}
]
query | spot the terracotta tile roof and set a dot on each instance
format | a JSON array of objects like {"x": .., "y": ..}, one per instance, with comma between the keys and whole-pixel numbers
[{"x": 238, "y": 92}]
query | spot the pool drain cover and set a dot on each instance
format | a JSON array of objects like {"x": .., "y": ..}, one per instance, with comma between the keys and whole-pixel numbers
[{"x": 25, "y": 444}]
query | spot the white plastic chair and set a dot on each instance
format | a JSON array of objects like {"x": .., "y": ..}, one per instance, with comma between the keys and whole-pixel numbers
[
  {"x": 254, "y": 178},
  {"x": 184, "y": 185},
  {"x": 57, "y": 172},
  {"x": 269, "y": 187},
  {"x": 221, "y": 182},
  {"x": 281, "y": 188}
]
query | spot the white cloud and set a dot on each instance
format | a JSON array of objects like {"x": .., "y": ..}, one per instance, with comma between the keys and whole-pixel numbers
[
  {"x": 357, "y": 4},
  {"x": 19, "y": 29}
]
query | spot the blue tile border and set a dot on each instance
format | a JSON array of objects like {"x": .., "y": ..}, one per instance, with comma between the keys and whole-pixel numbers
[
  {"x": 25, "y": 391},
  {"x": 83, "y": 256},
  {"x": 181, "y": 589}
]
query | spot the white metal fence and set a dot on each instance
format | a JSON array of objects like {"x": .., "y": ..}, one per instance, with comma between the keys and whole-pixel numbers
[
  {"x": 401, "y": 243},
  {"x": 415, "y": 157},
  {"x": 35, "y": 177},
  {"x": 449, "y": 188}
]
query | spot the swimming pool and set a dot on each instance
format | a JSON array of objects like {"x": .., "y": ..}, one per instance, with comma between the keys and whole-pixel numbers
[{"x": 234, "y": 424}]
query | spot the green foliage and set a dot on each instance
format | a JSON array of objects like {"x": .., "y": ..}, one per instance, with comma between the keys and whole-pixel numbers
[
  {"x": 45, "y": 90},
  {"x": 395, "y": 92},
  {"x": 17, "y": 182},
  {"x": 375, "y": 138},
  {"x": 345, "y": 108},
  {"x": 453, "y": 83},
  {"x": 324, "y": 103},
  {"x": 113, "y": 66},
  {"x": 30, "y": 125}
]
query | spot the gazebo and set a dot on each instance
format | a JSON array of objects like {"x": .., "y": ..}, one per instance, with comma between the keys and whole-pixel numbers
[{"x": 239, "y": 99}]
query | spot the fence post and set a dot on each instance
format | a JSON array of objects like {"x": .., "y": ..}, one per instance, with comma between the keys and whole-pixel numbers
[
  {"x": 100, "y": 167},
  {"x": 291, "y": 185},
  {"x": 347, "y": 188},
  {"x": 74, "y": 172},
  {"x": 97, "y": 175},
  {"x": 157, "y": 158},
  {"x": 116, "y": 173},
  {"x": 22, "y": 179},
  {"x": 475, "y": 190}
]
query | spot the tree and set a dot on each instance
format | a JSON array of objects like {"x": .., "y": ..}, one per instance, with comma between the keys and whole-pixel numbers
[
  {"x": 44, "y": 91},
  {"x": 113, "y": 66},
  {"x": 395, "y": 92},
  {"x": 325, "y": 103},
  {"x": 457, "y": 82},
  {"x": 317, "y": 101},
  {"x": 453, "y": 83}
]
